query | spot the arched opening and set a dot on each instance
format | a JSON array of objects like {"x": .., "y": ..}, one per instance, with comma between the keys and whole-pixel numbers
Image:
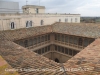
[
  {"x": 12, "y": 25},
  {"x": 75, "y": 19},
  {"x": 37, "y": 10},
  {"x": 56, "y": 60},
  {"x": 27, "y": 23},
  {"x": 59, "y": 20},
  {"x": 30, "y": 23},
  {"x": 42, "y": 22},
  {"x": 66, "y": 20},
  {"x": 71, "y": 20}
]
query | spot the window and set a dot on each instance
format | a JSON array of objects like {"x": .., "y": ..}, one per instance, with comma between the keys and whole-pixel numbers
[
  {"x": 29, "y": 24},
  {"x": 35, "y": 41},
  {"x": 42, "y": 22},
  {"x": 66, "y": 39},
  {"x": 48, "y": 48},
  {"x": 59, "y": 48},
  {"x": 55, "y": 37},
  {"x": 71, "y": 20},
  {"x": 66, "y": 20},
  {"x": 74, "y": 52},
  {"x": 91, "y": 40},
  {"x": 39, "y": 51},
  {"x": 55, "y": 47},
  {"x": 26, "y": 43},
  {"x": 62, "y": 37},
  {"x": 12, "y": 25},
  {"x": 45, "y": 37},
  {"x": 30, "y": 42},
  {"x": 66, "y": 50},
  {"x": 48, "y": 37},
  {"x": 86, "y": 42},
  {"x": 59, "y": 38},
  {"x": 21, "y": 43},
  {"x": 37, "y": 10},
  {"x": 71, "y": 40},
  {"x": 75, "y": 40},
  {"x": 75, "y": 19},
  {"x": 62, "y": 49},
  {"x": 42, "y": 50},
  {"x": 80, "y": 42},
  {"x": 42, "y": 39},
  {"x": 59, "y": 20},
  {"x": 38, "y": 40},
  {"x": 70, "y": 52}
]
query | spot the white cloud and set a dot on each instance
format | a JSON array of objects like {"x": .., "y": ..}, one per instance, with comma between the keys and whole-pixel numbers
[
  {"x": 83, "y": 7},
  {"x": 91, "y": 8}
]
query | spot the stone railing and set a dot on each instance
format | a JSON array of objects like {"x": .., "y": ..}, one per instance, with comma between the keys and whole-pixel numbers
[{"x": 4, "y": 14}]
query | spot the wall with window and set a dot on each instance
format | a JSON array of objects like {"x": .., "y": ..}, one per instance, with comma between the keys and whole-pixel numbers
[
  {"x": 61, "y": 57},
  {"x": 42, "y": 22},
  {"x": 12, "y": 25},
  {"x": 20, "y": 20},
  {"x": 56, "y": 46},
  {"x": 73, "y": 41},
  {"x": 33, "y": 10},
  {"x": 29, "y": 23},
  {"x": 34, "y": 41},
  {"x": 43, "y": 50},
  {"x": 62, "y": 54},
  {"x": 68, "y": 51}
]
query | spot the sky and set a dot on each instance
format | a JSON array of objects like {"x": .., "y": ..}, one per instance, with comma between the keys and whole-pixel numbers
[{"x": 83, "y": 7}]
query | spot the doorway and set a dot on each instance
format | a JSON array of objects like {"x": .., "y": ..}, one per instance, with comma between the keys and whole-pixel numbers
[{"x": 56, "y": 60}]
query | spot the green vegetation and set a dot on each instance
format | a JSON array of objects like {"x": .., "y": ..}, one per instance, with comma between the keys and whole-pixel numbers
[{"x": 90, "y": 19}]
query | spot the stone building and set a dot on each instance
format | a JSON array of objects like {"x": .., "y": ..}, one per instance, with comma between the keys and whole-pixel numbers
[
  {"x": 33, "y": 9},
  {"x": 17, "y": 21},
  {"x": 32, "y": 16},
  {"x": 57, "y": 49}
]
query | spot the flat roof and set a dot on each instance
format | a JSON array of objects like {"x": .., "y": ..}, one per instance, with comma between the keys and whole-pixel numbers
[{"x": 33, "y": 6}]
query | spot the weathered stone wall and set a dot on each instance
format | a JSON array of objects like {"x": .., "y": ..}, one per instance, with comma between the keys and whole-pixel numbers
[{"x": 20, "y": 20}]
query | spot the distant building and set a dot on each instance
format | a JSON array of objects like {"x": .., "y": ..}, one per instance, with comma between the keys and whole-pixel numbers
[
  {"x": 9, "y": 7},
  {"x": 33, "y": 9},
  {"x": 33, "y": 15}
]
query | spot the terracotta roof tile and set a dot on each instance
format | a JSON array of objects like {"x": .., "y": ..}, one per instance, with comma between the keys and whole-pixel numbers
[
  {"x": 24, "y": 33},
  {"x": 4, "y": 67},
  {"x": 79, "y": 29},
  {"x": 20, "y": 57},
  {"x": 88, "y": 58}
]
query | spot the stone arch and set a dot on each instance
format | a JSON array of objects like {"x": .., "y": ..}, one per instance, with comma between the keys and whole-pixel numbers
[{"x": 57, "y": 60}]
